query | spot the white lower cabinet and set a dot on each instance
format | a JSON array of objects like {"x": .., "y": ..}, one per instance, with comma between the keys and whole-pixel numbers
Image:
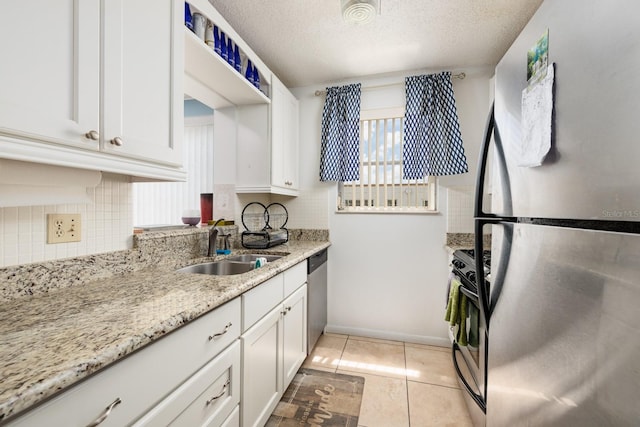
[
  {"x": 261, "y": 369},
  {"x": 233, "y": 420},
  {"x": 206, "y": 399},
  {"x": 294, "y": 339},
  {"x": 272, "y": 351},
  {"x": 134, "y": 385},
  {"x": 204, "y": 374}
]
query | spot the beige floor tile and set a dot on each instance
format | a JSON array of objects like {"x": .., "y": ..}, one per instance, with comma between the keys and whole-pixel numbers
[
  {"x": 327, "y": 352},
  {"x": 384, "y": 402},
  {"x": 373, "y": 358},
  {"x": 431, "y": 347},
  {"x": 432, "y": 405},
  {"x": 378, "y": 340},
  {"x": 426, "y": 365},
  {"x": 331, "y": 334}
]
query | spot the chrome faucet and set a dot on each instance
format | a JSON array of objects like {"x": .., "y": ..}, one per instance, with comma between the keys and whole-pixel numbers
[{"x": 213, "y": 237}]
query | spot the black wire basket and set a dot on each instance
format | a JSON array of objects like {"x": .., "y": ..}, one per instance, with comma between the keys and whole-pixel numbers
[{"x": 264, "y": 226}]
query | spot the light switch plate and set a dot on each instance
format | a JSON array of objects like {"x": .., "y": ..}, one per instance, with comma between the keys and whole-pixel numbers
[{"x": 63, "y": 228}]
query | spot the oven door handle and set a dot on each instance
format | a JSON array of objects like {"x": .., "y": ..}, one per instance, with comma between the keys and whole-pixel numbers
[
  {"x": 472, "y": 295},
  {"x": 475, "y": 396}
]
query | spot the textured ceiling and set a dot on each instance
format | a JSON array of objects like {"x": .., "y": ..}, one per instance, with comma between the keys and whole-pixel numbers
[{"x": 306, "y": 42}]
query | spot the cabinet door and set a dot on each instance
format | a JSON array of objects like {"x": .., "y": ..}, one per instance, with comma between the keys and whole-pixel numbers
[
  {"x": 142, "y": 81},
  {"x": 294, "y": 336},
  {"x": 261, "y": 369},
  {"x": 284, "y": 137},
  {"x": 291, "y": 161},
  {"x": 49, "y": 78}
]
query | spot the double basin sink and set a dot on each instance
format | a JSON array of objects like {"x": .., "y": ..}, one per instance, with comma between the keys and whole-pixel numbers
[{"x": 236, "y": 264}]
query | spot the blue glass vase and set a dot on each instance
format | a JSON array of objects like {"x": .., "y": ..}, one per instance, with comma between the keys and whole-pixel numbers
[
  {"x": 216, "y": 40},
  {"x": 230, "y": 57},
  {"x": 223, "y": 46},
  {"x": 187, "y": 16},
  {"x": 248, "y": 73},
  {"x": 237, "y": 60},
  {"x": 256, "y": 77}
]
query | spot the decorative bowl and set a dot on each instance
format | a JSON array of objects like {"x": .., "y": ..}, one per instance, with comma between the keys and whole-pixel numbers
[{"x": 191, "y": 220}]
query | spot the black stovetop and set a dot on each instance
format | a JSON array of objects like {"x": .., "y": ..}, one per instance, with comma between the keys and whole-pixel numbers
[{"x": 464, "y": 265}]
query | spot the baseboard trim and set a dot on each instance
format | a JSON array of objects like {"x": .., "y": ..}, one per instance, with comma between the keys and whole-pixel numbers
[{"x": 387, "y": 335}]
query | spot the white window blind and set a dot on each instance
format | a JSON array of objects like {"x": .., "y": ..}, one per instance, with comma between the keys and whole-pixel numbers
[{"x": 381, "y": 187}]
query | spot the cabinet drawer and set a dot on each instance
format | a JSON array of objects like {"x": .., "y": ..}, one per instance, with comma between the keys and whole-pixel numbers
[
  {"x": 210, "y": 334},
  {"x": 295, "y": 277},
  {"x": 260, "y": 300},
  {"x": 207, "y": 398},
  {"x": 232, "y": 420},
  {"x": 142, "y": 379}
]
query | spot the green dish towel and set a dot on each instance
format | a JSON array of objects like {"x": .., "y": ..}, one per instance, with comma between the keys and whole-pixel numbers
[{"x": 456, "y": 313}]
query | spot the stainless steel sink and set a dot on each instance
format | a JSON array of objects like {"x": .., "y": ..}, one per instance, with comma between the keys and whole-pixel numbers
[
  {"x": 218, "y": 268},
  {"x": 252, "y": 257}
]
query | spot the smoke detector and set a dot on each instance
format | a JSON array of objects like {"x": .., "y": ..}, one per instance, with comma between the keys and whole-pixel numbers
[{"x": 360, "y": 11}]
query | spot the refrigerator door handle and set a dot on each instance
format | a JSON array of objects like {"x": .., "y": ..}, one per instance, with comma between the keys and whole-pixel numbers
[
  {"x": 475, "y": 396},
  {"x": 491, "y": 129},
  {"x": 488, "y": 297},
  {"x": 483, "y": 292}
]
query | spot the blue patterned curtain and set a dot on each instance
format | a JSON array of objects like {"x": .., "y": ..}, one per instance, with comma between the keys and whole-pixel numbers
[
  {"x": 432, "y": 139},
  {"x": 340, "y": 139}
]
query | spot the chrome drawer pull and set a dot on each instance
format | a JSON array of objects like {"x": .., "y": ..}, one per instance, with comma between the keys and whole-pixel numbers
[
  {"x": 219, "y": 334},
  {"x": 224, "y": 389},
  {"x": 105, "y": 413}
]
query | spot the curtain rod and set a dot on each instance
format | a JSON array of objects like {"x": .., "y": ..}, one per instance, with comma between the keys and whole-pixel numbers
[{"x": 460, "y": 76}]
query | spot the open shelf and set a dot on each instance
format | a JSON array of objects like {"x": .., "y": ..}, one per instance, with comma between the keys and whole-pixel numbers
[{"x": 210, "y": 70}]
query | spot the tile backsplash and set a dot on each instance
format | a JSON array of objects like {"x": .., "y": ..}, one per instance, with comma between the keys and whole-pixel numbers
[
  {"x": 106, "y": 226},
  {"x": 460, "y": 209}
]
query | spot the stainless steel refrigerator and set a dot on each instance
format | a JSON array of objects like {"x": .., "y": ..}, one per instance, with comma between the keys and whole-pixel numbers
[{"x": 562, "y": 306}]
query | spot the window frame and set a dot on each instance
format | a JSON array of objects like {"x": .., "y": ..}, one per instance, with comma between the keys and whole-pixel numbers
[{"x": 431, "y": 181}]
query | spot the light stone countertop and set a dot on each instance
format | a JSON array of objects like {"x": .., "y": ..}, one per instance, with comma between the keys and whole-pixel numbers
[{"x": 51, "y": 340}]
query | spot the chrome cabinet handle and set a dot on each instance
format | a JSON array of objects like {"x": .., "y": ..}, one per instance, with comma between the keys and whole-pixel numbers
[
  {"x": 117, "y": 141},
  {"x": 219, "y": 395},
  {"x": 105, "y": 413},
  {"x": 93, "y": 135},
  {"x": 286, "y": 310},
  {"x": 219, "y": 334}
]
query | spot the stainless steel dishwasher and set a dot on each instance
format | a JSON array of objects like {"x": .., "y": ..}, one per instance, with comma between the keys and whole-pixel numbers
[{"x": 316, "y": 297}]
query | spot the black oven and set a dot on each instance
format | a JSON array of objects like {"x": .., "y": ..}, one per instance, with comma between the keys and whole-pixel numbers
[{"x": 469, "y": 360}]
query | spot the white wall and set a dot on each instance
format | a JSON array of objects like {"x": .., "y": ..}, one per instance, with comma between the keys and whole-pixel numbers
[{"x": 388, "y": 273}]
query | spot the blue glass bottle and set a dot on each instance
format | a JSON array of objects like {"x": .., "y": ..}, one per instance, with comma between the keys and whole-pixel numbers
[
  {"x": 237, "y": 60},
  {"x": 216, "y": 40},
  {"x": 187, "y": 16},
  {"x": 248, "y": 73},
  {"x": 256, "y": 77},
  {"x": 230, "y": 57},
  {"x": 223, "y": 46}
]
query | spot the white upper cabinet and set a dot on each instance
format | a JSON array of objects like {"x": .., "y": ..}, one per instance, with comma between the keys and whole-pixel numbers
[
  {"x": 141, "y": 89},
  {"x": 267, "y": 145},
  {"x": 93, "y": 87},
  {"x": 50, "y": 73},
  {"x": 284, "y": 138}
]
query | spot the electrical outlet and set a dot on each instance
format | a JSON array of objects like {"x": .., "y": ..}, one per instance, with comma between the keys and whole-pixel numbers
[{"x": 63, "y": 228}]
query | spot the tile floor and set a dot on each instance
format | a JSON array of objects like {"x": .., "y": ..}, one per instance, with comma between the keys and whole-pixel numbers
[{"x": 406, "y": 385}]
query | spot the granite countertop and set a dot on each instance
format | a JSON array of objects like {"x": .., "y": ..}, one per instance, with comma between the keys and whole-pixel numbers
[{"x": 52, "y": 340}]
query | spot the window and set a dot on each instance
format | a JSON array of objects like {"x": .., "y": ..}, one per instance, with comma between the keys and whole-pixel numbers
[{"x": 381, "y": 187}]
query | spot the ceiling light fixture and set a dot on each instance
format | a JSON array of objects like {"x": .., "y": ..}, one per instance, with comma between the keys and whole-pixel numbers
[{"x": 359, "y": 11}]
